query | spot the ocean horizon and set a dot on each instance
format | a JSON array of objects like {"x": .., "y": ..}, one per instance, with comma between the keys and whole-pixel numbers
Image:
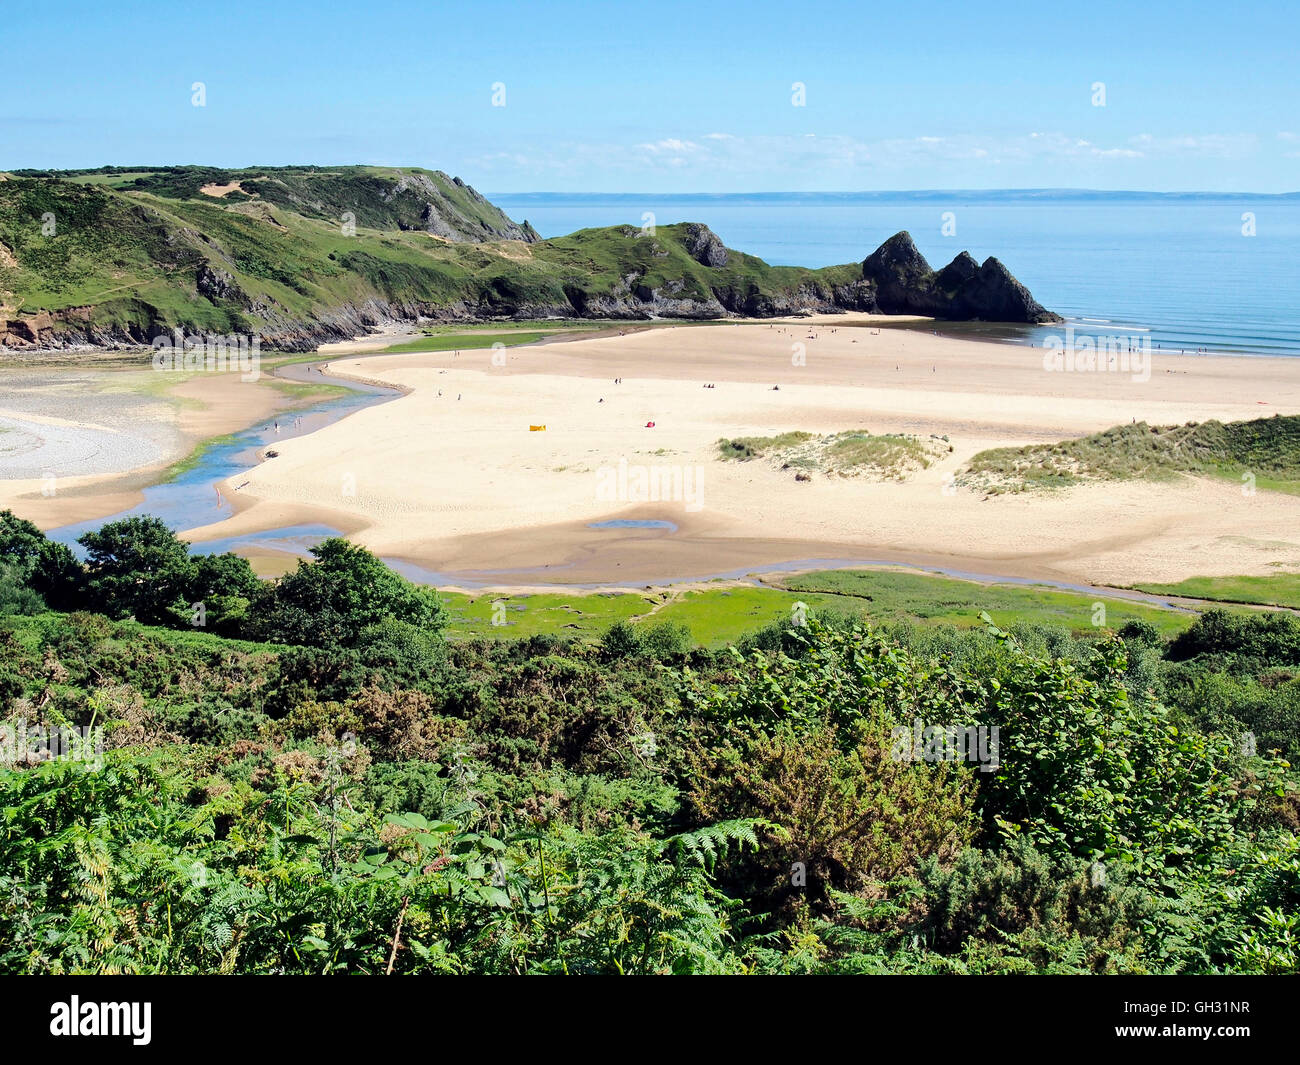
[{"x": 1190, "y": 271}]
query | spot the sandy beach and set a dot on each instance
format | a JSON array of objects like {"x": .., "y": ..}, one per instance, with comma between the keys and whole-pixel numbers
[
  {"x": 79, "y": 443},
  {"x": 452, "y": 478}
]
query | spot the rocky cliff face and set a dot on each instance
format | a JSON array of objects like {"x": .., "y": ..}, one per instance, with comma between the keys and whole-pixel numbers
[
  {"x": 704, "y": 246},
  {"x": 440, "y": 216},
  {"x": 963, "y": 290}
]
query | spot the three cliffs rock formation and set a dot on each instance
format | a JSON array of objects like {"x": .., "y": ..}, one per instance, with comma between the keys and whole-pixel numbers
[
  {"x": 896, "y": 279},
  {"x": 963, "y": 290}
]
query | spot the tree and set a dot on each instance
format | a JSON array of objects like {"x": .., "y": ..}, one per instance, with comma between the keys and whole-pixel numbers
[
  {"x": 226, "y": 586},
  {"x": 138, "y": 568},
  {"x": 805, "y": 744},
  {"x": 20, "y": 540},
  {"x": 16, "y": 595},
  {"x": 30, "y": 559},
  {"x": 331, "y": 599},
  {"x": 846, "y": 819}
]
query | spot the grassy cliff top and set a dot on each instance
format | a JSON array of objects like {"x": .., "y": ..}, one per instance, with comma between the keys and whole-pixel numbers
[{"x": 304, "y": 254}]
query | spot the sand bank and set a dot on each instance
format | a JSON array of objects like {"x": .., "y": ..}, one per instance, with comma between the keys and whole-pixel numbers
[
  {"x": 451, "y": 477},
  {"x": 80, "y": 443}
]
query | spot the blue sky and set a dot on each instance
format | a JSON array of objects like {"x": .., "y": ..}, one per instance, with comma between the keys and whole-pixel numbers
[{"x": 669, "y": 96}]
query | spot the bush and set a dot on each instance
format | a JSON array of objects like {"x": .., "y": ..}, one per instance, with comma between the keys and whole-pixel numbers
[
  {"x": 1271, "y": 637},
  {"x": 1090, "y": 770},
  {"x": 330, "y": 600},
  {"x": 842, "y": 819}
]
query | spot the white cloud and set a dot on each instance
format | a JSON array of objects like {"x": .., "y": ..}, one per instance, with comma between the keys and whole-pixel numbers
[
  {"x": 670, "y": 144},
  {"x": 838, "y": 161},
  {"x": 1220, "y": 145}
]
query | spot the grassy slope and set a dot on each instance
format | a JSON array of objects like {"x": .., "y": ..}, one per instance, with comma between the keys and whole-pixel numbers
[
  {"x": 130, "y": 245},
  {"x": 325, "y": 192}
]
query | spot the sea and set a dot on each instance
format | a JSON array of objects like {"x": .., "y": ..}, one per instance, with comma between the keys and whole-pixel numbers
[{"x": 1190, "y": 272}]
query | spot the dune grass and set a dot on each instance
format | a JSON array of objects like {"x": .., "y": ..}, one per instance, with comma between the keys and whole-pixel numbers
[
  {"x": 745, "y": 448},
  {"x": 1263, "y": 454},
  {"x": 890, "y": 454},
  {"x": 848, "y": 454}
]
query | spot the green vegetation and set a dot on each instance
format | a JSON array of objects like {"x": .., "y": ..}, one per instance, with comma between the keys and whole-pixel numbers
[
  {"x": 522, "y": 616},
  {"x": 846, "y": 454},
  {"x": 723, "y": 614},
  {"x": 138, "y": 568},
  {"x": 744, "y": 448},
  {"x": 911, "y": 597},
  {"x": 339, "y": 788},
  {"x": 715, "y": 617},
  {"x": 469, "y": 341},
  {"x": 889, "y": 455},
  {"x": 1264, "y": 453},
  {"x": 133, "y": 253},
  {"x": 378, "y": 197},
  {"x": 1280, "y": 589}
]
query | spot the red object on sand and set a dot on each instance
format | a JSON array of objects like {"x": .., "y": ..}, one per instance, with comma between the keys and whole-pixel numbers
[{"x": 649, "y": 425}]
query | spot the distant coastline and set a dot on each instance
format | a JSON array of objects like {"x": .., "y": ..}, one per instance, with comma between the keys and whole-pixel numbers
[
  {"x": 917, "y": 195},
  {"x": 1177, "y": 266}
]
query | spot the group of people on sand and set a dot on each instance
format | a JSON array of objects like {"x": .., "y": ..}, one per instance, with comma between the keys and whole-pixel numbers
[{"x": 297, "y": 424}]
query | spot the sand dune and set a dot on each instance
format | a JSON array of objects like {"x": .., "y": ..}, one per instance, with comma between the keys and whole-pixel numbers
[{"x": 451, "y": 477}]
